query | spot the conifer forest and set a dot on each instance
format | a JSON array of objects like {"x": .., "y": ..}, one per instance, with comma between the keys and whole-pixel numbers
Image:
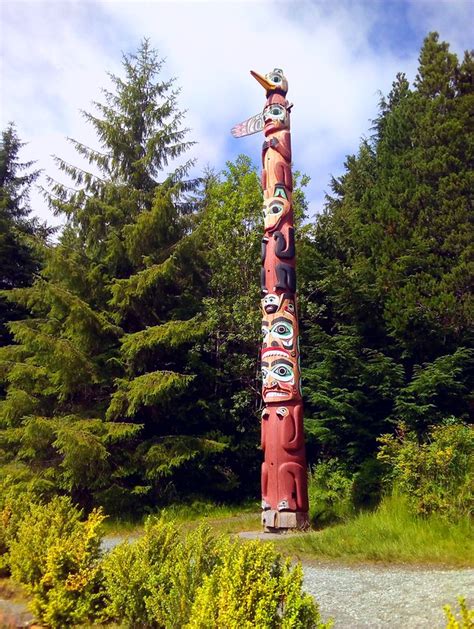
[{"x": 129, "y": 338}]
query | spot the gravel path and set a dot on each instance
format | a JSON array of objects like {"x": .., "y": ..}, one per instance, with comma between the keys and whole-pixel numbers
[{"x": 386, "y": 596}]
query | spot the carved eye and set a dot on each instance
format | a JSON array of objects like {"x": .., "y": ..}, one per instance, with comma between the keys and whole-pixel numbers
[
  {"x": 276, "y": 79},
  {"x": 283, "y": 330},
  {"x": 276, "y": 208},
  {"x": 283, "y": 373}
]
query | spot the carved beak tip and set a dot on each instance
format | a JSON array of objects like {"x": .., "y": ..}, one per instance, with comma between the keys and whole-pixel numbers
[{"x": 262, "y": 80}]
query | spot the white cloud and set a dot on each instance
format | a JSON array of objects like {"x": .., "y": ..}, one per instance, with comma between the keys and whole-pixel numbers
[{"x": 55, "y": 55}]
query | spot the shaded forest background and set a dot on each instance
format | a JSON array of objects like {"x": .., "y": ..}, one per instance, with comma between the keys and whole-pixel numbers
[{"x": 130, "y": 341}]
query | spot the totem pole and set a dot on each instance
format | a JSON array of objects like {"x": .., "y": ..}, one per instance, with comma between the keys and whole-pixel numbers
[{"x": 284, "y": 480}]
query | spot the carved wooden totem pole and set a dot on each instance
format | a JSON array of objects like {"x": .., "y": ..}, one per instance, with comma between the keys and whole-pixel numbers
[{"x": 284, "y": 479}]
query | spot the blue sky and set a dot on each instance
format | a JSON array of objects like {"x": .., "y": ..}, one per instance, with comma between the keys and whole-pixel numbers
[{"x": 337, "y": 56}]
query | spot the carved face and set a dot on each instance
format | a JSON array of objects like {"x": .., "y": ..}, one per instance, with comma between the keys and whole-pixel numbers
[
  {"x": 270, "y": 303},
  {"x": 280, "y": 375},
  {"x": 278, "y": 79},
  {"x": 284, "y": 303},
  {"x": 275, "y": 209},
  {"x": 278, "y": 330},
  {"x": 275, "y": 118}
]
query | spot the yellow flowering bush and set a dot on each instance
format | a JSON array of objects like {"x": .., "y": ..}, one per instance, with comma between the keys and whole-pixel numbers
[
  {"x": 57, "y": 557},
  {"x": 154, "y": 579},
  {"x": 465, "y": 618},
  {"x": 251, "y": 586},
  {"x": 166, "y": 579}
]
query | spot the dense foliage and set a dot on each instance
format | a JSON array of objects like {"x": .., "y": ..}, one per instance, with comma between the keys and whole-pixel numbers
[
  {"x": 165, "y": 579},
  {"x": 19, "y": 257},
  {"x": 387, "y": 306},
  {"x": 131, "y": 378},
  {"x": 437, "y": 475},
  {"x": 95, "y": 376}
]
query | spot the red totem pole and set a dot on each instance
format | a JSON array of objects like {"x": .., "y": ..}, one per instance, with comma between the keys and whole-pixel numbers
[{"x": 284, "y": 480}]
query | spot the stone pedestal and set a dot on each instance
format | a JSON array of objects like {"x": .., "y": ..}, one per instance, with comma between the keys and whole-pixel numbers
[{"x": 274, "y": 521}]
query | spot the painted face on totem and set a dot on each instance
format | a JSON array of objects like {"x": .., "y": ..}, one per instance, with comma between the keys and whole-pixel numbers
[
  {"x": 278, "y": 79},
  {"x": 275, "y": 118},
  {"x": 276, "y": 208},
  {"x": 285, "y": 303},
  {"x": 273, "y": 81},
  {"x": 270, "y": 303},
  {"x": 280, "y": 375},
  {"x": 279, "y": 331}
]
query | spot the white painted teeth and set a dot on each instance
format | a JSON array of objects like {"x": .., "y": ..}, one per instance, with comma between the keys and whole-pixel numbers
[
  {"x": 276, "y": 352},
  {"x": 275, "y": 394}
]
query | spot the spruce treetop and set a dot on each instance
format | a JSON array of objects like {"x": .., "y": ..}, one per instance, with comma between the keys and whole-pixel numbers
[
  {"x": 15, "y": 181},
  {"x": 139, "y": 128}
]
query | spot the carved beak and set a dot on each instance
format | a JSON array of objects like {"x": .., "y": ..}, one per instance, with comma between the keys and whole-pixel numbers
[{"x": 268, "y": 85}]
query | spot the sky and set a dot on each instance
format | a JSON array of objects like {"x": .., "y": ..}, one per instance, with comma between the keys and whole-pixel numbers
[{"x": 338, "y": 56}]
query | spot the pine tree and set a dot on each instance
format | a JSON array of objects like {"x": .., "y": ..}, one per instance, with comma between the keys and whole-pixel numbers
[
  {"x": 19, "y": 261},
  {"x": 92, "y": 406},
  {"x": 388, "y": 307}
]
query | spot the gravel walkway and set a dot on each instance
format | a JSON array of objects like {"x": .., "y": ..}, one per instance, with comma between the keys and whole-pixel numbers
[{"x": 386, "y": 596}]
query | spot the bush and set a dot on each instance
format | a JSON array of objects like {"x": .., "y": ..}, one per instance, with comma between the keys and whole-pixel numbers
[
  {"x": 330, "y": 492},
  {"x": 57, "y": 557},
  {"x": 13, "y": 510},
  {"x": 166, "y": 579},
  {"x": 465, "y": 619},
  {"x": 251, "y": 587},
  {"x": 17, "y": 492},
  {"x": 437, "y": 476},
  {"x": 154, "y": 579}
]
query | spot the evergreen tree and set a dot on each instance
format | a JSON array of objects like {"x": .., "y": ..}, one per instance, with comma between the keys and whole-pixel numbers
[
  {"x": 92, "y": 406},
  {"x": 19, "y": 260},
  {"x": 388, "y": 307}
]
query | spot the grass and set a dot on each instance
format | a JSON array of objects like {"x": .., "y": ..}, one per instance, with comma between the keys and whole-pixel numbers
[
  {"x": 221, "y": 518},
  {"x": 389, "y": 534}
]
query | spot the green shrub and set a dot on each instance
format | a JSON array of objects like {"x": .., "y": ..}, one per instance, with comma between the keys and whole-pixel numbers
[
  {"x": 252, "y": 587},
  {"x": 154, "y": 579},
  {"x": 12, "y": 511},
  {"x": 168, "y": 579},
  {"x": 437, "y": 476},
  {"x": 17, "y": 492},
  {"x": 465, "y": 619},
  {"x": 57, "y": 557},
  {"x": 330, "y": 492}
]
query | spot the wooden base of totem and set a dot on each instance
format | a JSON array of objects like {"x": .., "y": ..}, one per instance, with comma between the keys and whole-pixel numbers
[{"x": 274, "y": 521}]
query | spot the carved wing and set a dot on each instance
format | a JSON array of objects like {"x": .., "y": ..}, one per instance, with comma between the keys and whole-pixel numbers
[{"x": 248, "y": 127}]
